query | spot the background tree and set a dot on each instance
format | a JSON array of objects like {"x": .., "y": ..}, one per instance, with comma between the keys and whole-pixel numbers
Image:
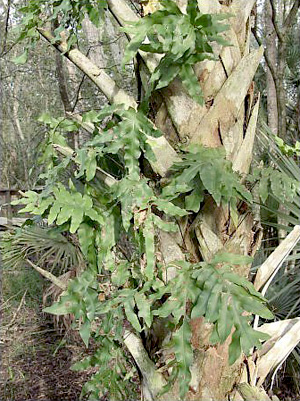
[{"x": 280, "y": 32}]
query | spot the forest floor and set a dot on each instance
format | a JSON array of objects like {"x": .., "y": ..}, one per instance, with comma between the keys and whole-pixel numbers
[{"x": 35, "y": 356}]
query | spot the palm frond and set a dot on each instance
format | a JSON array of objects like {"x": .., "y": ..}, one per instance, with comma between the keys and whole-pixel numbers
[
  {"x": 290, "y": 215},
  {"x": 47, "y": 246}
]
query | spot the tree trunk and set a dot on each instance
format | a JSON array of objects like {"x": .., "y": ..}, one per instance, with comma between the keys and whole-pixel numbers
[
  {"x": 281, "y": 95},
  {"x": 227, "y": 119},
  {"x": 272, "y": 51}
]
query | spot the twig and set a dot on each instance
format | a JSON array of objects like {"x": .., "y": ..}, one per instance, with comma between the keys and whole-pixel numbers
[{"x": 17, "y": 311}]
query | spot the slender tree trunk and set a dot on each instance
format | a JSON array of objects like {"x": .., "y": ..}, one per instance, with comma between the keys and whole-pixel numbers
[
  {"x": 16, "y": 120},
  {"x": 62, "y": 84},
  {"x": 281, "y": 92},
  {"x": 271, "y": 46}
]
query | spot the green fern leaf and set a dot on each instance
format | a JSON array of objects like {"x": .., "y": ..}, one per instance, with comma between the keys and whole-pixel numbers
[
  {"x": 85, "y": 332},
  {"x": 148, "y": 233},
  {"x": 184, "y": 355},
  {"x": 144, "y": 307},
  {"x": 131, "y": 316},
  {"x": 191, "y": 84},
  {"x": 169, "y": 208}
]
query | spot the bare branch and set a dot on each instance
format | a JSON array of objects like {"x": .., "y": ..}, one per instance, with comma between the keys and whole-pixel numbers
[
  {"x": 48, "y": 276},
  {"x": 164, "y": 152},
  {"x": 274, "y": 21},
  {"x": 97, "y": 75},
  {"x": 153, "y": 380},
  {"x": 266, "y": 56}
]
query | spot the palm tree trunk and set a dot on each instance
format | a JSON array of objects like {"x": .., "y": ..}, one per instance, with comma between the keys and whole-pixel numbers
[{"x": 227, "y": 119}]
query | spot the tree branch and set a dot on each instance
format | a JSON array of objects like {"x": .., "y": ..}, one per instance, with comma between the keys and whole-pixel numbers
[
  {"x": 274, "y": 21},
  {"x": 291, "y": 16},
  {"x": 48, "y": 276},
  {"x": 89, "y": 127},
  {"x": 108, "y": 179},
  {"x": 107, "y": 85},
  {"x": 266, "y": 56},
  {"x": 164, "y": 152},
  {"x": 153, "y": 380}
]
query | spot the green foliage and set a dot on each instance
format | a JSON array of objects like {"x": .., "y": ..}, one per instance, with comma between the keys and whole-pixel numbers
[
  {"x": 225, "y": 296},
  {"x": 184, "y": 355},
  {"x": 278, "y": 183},
  {"x": 287, "y": 149},
  {"x": 128, "y": 286},
  {"x": 210, "y": 289},
  {"x": 183, "y": 39},
  {"x": 128, "y": 135},
  {"x": 117, "y": 223},
  {"x": 64, "y": 206},
  {"x": 117, "y": 382},
  {"x": 205, "y": 170},
  {"x": 67, "y": 14}
]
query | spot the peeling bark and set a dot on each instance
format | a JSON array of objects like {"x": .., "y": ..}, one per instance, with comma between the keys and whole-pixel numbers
[{"x": 224, "y": 111}]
